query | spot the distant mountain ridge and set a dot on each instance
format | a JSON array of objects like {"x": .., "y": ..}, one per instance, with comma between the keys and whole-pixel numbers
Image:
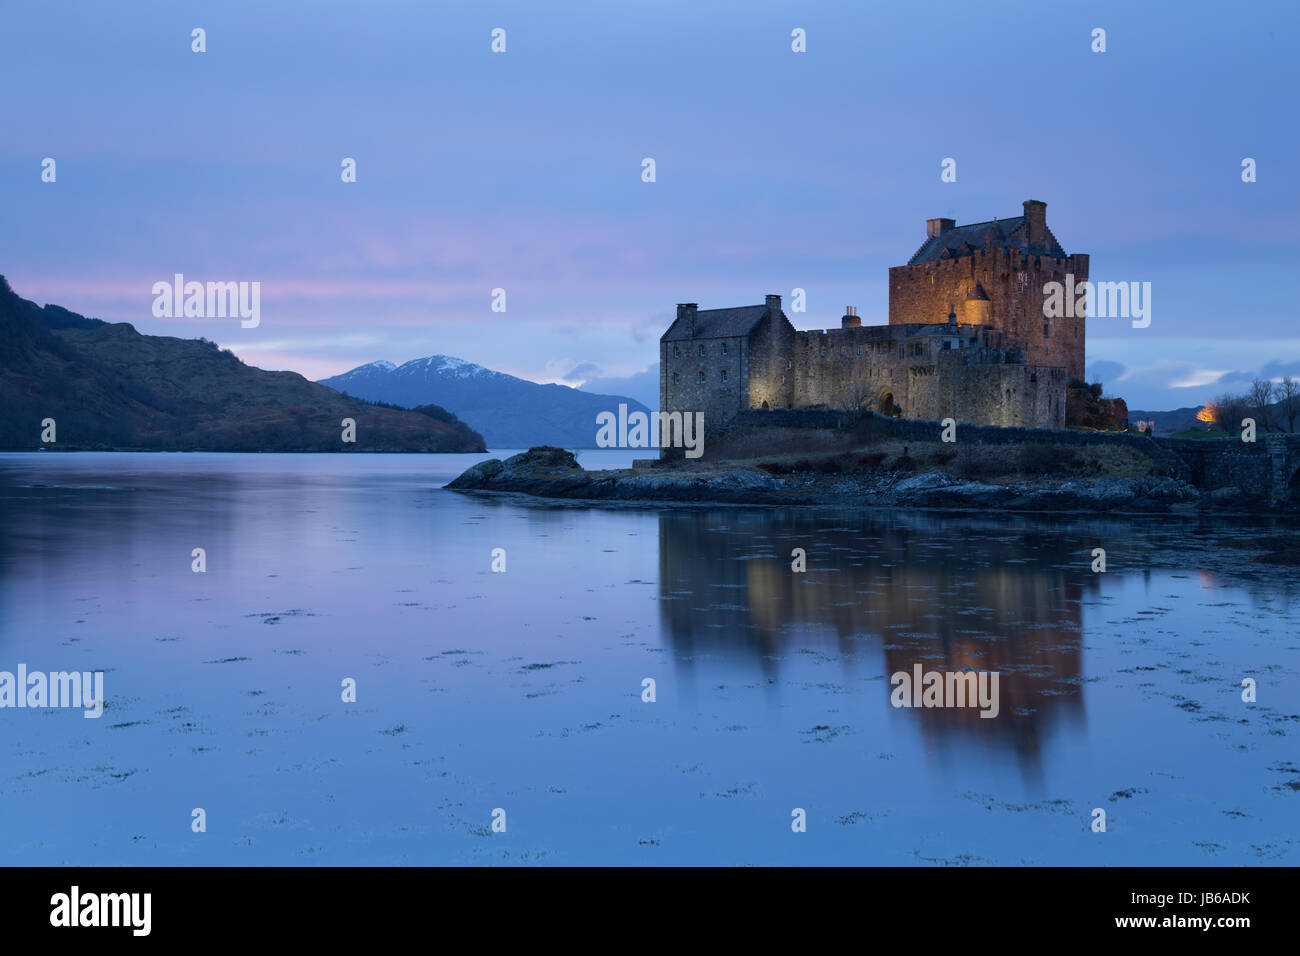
[
  {"x": 643, "y": 386},
  {"x": 107, "y": 387},
  {"x": 1167, "y": 423},
  {"x": 509, "y": 412}
]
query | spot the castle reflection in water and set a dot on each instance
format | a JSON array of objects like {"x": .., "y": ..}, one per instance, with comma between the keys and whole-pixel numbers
[{"x": 883, "y": 592}]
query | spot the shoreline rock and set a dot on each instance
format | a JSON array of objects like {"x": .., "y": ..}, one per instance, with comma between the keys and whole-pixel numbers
[{"x": 549, "y": 472}]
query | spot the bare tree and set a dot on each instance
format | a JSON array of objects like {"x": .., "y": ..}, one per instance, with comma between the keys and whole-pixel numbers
[
  {"x": 857, "y": 398},
  {"x": 1229, "y": 410},
  {"x": 1288, "y": 394},
  {"x": 1260, "y": 398}
]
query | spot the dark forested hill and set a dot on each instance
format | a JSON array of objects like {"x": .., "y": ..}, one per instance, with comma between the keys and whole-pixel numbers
[{"x": 106, "y": 386}]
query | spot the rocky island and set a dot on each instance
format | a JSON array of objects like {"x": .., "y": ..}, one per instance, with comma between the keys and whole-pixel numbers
[{"x": 1031, "y": 478}]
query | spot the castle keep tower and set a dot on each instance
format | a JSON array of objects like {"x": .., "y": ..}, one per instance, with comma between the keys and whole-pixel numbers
[{"x": 995, "y": 271}]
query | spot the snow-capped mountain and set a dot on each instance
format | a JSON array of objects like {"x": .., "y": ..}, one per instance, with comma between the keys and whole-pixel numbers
[{"x": 508, "y": 412}]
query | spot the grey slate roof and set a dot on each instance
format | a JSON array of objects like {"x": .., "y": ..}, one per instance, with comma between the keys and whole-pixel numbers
[
  {"x": 718, "y": 323},
  {"x": 965, "y": 240}
]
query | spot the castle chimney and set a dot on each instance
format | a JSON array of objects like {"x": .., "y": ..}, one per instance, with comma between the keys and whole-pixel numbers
[
  {"x": 1036, "y": 220},
  {"x": 687, "y": 310},
  {"x": 851, "y": 319},
  {"x": 952, "y": 315},
  {"x": 937, "y": 227},
  {"x": 774, "y": 304}
]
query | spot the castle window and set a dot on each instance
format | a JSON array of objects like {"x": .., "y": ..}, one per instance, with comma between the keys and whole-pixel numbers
[
  {"x": 724, "y": 374},
  {"x": 823, "y": 353},
  {"x": 789, "y": 364},
  {"x": 843, "y": 351},
  {"x": 677, "y": 352},
  {"x": 677, "y": 379},
  {"x": 946, "y": 345},
  {"x": 701, "y": 351},
  {"x": 701, "y": 376},
  {"x": 724, "y": 348},
  {"x": 1046, "y": 329},
  {"x": 859, "y": 349}
]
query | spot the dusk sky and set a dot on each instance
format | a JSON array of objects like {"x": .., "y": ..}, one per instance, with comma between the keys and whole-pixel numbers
[{"x": 775, "y": 170}]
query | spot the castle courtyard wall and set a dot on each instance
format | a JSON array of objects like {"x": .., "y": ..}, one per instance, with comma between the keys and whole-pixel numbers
[{"x": 960, "y": 372}]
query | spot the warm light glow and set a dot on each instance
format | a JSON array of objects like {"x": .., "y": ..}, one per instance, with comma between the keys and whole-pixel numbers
[{"x": 1207, "y": 414}]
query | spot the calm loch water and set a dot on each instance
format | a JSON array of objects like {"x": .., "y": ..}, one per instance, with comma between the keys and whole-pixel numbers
[{"x": 523, "y": 690}]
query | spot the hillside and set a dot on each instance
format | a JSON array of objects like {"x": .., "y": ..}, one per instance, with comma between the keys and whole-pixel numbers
[
  {"x": 110, "y": 388},
  {"x": 1167, "y": 423},
  {"x": 509, "y": 412}
]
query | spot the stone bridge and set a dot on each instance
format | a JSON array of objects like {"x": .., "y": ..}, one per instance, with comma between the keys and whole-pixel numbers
[{"x": 1268, "y": 468}]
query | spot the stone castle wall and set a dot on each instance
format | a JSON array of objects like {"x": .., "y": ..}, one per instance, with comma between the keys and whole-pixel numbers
[
  {"x": 711, "y": 376},
  {"x": 883, "y": 427},
  {"x": 918, "y": 372},
  {"x": 772, "y": 381},
  {"x": 963, "y": 375}
]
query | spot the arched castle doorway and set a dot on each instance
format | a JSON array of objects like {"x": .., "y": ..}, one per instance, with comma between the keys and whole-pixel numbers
[{"x": 886, "y": 406}]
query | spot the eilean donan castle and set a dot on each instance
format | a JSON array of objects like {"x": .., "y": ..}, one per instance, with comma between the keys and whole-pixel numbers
[{"x": 967, "y": 339}]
